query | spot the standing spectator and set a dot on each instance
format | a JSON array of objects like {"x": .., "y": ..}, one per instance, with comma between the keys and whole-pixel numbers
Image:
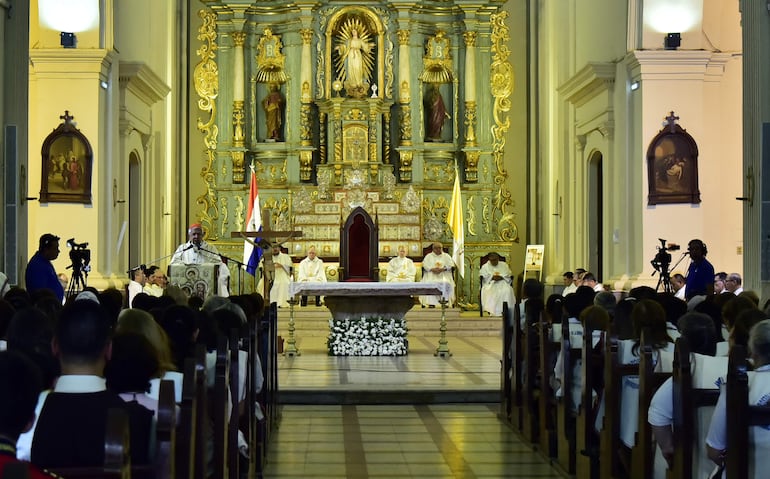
[
  {"x": 700, "y": 275},
  {"x": 40, "y": 272}
]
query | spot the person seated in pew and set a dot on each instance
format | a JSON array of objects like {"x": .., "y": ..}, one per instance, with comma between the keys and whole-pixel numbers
[
  {"x": 70, "y": 429},
  {"x": 401, "y": 269},
  {"x": 20, "y": 386},
  {"x": 699, "y": 331},
  {"x": 142, "y": 322},
  {"x": 759, "y": 392},
  {"x": 530, "y": 289},
  {"x": 133, "y": 363},
  {"x": 574, "y": 304},
  {"x": 496, "y": 286}
]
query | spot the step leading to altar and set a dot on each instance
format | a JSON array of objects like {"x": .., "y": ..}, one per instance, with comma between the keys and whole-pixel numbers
[{"x": 313, "y": 321}]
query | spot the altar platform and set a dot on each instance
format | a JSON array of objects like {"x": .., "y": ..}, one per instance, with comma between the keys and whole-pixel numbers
[{"x": 470, "y": 375}]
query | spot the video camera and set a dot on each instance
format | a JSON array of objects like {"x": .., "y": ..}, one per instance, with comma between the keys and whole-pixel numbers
[
  {"x": 662, "y": 258},
  {"x": 80, "y": 256}
]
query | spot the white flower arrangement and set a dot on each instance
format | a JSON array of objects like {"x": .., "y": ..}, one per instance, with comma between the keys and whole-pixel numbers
[{"x": 374, "y": 336}]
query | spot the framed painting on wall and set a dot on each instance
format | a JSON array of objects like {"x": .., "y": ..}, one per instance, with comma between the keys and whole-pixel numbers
[
  {"x": 67, "y": 165},
  {"x": 672, "y": 165}
]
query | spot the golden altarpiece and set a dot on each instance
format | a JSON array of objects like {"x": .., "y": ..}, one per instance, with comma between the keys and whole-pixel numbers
[{"x": 339, "y": 106}]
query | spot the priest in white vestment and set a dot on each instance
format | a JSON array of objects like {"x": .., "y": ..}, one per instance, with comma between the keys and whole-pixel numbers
[
  {"x": 311, "y": 270},
  {"x": 496, "y": 285},
  {"x": 198, "y": 251},
  {"x": 279, "y": 292},
  {"x": 437, "y": 267},
  {"x": 401, "y": 269}
]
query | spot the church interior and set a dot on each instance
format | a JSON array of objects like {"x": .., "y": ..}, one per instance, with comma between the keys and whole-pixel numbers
[{"x": 592, "y": 134}]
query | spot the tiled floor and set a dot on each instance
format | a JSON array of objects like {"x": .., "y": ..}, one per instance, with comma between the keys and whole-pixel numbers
[{"x": 398, "y": 441}]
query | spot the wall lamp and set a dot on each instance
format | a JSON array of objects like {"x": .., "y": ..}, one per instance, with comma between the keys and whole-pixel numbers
[{"x": 672, "y": 41}]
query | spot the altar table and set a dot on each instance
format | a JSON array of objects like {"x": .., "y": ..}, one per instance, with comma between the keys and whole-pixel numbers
[{"x": 354, "y": 300}]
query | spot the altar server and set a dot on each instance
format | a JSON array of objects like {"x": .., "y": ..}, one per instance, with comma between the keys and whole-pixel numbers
[
  {"x": 401, "y": 269},
  {"x": 437, "y": 266},
  {"x": 311, "y": 269},
  {"x": 496, "y": 285}
]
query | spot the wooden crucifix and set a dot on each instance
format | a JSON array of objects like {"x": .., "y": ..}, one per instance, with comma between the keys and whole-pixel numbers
[{"x": 267, "y": 238}]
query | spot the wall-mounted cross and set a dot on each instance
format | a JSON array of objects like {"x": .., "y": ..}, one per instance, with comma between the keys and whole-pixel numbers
[
  {"x": 67, "y": 117},
  {"x": 670, "y": 122}
]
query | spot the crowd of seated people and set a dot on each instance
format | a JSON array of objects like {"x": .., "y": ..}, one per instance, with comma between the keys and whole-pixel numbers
[
  {"x": 91, "y": 356},
  {"x": 630, "y": 408}
]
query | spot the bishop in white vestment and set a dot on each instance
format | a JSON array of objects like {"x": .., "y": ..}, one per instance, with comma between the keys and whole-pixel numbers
[
  {"x": 437, "y": 267},
  {"x": 401, "y": 269},
  {"x": 496, "y": 285}
]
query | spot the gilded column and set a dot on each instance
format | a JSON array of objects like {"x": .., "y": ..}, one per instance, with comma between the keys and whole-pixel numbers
[
  {"x": 306, "y": 138},
  {"x": 238, "y": 110},
  {"x": 404, "y": 98},
  {"x": 471, "y": 153}
]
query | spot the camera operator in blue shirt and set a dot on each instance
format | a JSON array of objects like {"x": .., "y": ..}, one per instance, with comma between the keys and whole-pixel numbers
[{"x": 40, "y": 272}]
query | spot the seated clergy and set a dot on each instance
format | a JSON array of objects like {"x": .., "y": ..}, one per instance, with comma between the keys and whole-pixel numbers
[
  {"x": 496, "y": 285},
  {"x": 279, "y": 292},
  {"x": 70, "y": 429},
  {"x": 401, "y": 269},
  {"x": 437, "y": 267},
  {"x": 311, "y": 269},
  {"x": 198, "y": 251}
]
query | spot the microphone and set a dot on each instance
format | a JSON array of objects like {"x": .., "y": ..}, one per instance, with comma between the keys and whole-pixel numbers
[
  {"x": 686, "y": 253},
  {"x": 188, "y": 247}
]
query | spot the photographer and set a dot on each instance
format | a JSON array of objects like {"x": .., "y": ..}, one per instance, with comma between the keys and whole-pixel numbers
[{"x": 40, "y": 273}]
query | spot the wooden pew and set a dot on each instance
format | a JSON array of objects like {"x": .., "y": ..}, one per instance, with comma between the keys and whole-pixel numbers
[
  {"x": 586, "y": 438},
  {"x": 643, "y": 452},
  {"x": 233, "y": 455},
  {"x": 530, "y": 388},
  {"x": 687, "y": 401},
  {"x": 250, "y": 420},
  {"x": 163, "y": 464},
  {"x": 610, "y": 444},
  {"x": 547, "y": 401},
  {"x": 741, "y": 416},
  {"x": 565, "y": 413},
  {"x": 506, "y": 368},
  {"x": 221, "y": 408},
  {"x": 117, "y": 461},
  {"x": 193, "y": 417},
  {"x": 517, "y": 370}
]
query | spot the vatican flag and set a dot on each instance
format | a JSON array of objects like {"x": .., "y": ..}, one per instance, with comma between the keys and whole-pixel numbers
[{"x": 457, "y": 225}]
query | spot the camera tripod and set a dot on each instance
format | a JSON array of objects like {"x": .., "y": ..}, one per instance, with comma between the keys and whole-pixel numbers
[
  {"x": 77, "y": 282},
  {"x": 664, "y": 278}
]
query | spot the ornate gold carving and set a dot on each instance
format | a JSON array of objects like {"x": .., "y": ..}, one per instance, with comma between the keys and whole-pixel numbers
[
  {"x": 238, "y": 116},
  {"x": 355, "y": 58},
  {"x": 502, "y": 87},
  {"x": 305, "y": 165},
  {"x": 437, "y": 60},
  {"x": 270, "y": 59},
  {"x": 223, "y": 209},
  {"x": 239, "y": 209},
  {"x": 305, "y": 97},
  {"x": 470, "y": 38},
  {"x": 470, "y": 123},
  {"x": 403, "y": 37},
  {"x": 405, "y": 167},
  {"x": 471, "y": 166},
  {"x": 305, "y": 131},
  {"x": 404, "y": 93},
  {"x": 406, "y": 125},
  {"x": 322, "y": 148},
  {"x": 470, "y": 222},
  {"x": 355, "y": 114},
  {"x": 386, "y": 137},
  {"x": 307, "y": 35},
  {"x": 238, "y": 166},
  {"x": 238, "y": 38},
  {"x": 206, "y": 78},
  {"x": 485, "y": 214},
  {"x": 436, "y": 172}
]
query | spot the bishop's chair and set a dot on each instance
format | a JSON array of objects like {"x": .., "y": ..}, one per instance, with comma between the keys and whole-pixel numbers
[{"x": 359, "y": 255}]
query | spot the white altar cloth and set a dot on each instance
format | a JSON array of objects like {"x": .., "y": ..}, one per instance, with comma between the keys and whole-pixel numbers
[{"x": 371, "y": 289}]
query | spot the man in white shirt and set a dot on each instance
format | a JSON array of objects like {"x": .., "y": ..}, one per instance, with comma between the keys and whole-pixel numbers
[
  {"x": 401, "y": 269},
  {"x": 437, "y": 267},
  {"x": 279, "y": 292},
  {"x": 678, "y": 284},
  {"x": 496, "y": 285},
  {"x": 590, "y": 280},
  {"x": 198, "y": 251},
  {"x": 733, "y": 284},
  {"x": 136, "y": 285},
  {"x": 569, "y": 283},
  {"x": 311, "y": 269}
]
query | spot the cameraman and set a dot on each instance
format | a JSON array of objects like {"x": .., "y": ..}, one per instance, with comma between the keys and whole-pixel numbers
[
  {"x": 700, "y": 275},
  {"x": 40, "y": 272}
]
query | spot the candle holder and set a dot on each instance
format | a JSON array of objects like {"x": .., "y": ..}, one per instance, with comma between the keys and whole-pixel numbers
[
  {"x": 443, "y": 346},
  {"x": 291, "y": 344}
]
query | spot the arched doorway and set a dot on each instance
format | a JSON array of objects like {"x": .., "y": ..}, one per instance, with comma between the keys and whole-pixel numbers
[
  {"x": 134, "y": 236},
  {"x": 595, "y": 203}
]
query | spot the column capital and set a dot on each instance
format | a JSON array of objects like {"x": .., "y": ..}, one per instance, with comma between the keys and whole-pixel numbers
[
  {"x": 403, "y": 37},
  {"x": 470, "y": 38},
  {"x": 238, "y": 38},
  {"x": 307, "y": 35}
]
